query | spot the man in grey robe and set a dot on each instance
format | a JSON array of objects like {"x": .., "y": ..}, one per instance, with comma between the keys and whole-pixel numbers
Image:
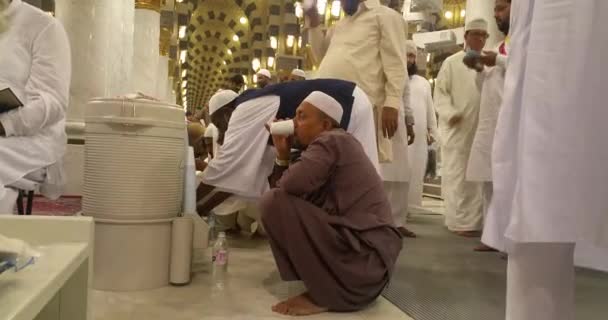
[{"x": 327, "y": 216}]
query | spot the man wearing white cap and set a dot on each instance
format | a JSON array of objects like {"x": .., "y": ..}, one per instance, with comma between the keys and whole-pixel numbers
[
  {"x": 35, "y": 66},
  {"x": 264, "y": 78},
  {"x": 457, "y": 100},
  {"x": 421, "y": 101},
  {"x": 327, "y": 217},
  {"x": 244, "y": 160},
  {"x": 297, "y": 75}
]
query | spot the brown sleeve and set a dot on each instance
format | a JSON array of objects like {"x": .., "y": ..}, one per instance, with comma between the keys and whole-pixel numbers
[{"x": 312, "y": 171}]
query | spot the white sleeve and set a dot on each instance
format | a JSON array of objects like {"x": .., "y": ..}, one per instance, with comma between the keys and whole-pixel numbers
[{"x": 48, "y": 86}]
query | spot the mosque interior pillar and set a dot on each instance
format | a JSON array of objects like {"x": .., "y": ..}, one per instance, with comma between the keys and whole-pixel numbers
[
  {"x": 485, "y": 9},
  {"x": 101, "y": 40},
  {"x": 146, "y": 46}
]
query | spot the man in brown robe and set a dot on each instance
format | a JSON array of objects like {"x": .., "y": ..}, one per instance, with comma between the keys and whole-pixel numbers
[{"x": 327, "y": 216}]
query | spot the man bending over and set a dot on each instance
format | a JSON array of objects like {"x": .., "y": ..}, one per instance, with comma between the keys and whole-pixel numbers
[{"x": 245, "y": 158}]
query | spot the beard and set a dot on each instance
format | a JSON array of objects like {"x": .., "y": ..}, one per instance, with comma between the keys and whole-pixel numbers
[
  {"x": 504, "y": 26},
  {"x": 412, "y": 69}
]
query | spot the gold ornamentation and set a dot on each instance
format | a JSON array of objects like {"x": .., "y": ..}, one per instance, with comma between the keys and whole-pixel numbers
[
  {"x": 148, "y": 5},
  {"x": 164, "y": 42}
]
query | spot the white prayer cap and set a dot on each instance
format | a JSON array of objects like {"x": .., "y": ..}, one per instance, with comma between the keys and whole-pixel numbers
[
  {"x": 327, "y": 104},
  {"x": 477, "y": 24},
  {"x": 265, "y": 73},
  {"x": 221, "y": 99},
  {"x": 410, "y": 47},
  {"x": 298, "y": 73}
]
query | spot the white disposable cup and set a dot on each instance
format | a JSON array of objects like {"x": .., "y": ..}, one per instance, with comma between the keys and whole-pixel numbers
[{"x": 282, "y": 128}]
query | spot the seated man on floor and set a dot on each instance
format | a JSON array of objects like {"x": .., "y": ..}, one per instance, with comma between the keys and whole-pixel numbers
[
  {"x": 36, "y": 67},
  {"x": 244, "y": 160},
  {"x": 327, "y": 217}
]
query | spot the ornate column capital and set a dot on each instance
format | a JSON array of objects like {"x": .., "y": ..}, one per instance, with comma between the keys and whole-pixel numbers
[{"x": 148, "y": 5}]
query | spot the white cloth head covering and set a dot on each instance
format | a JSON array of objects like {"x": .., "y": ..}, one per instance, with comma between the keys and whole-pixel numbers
[
  {"x": 220, "y": 99},
  {"x": 477, "y": 24},
  {"x": 327, "y": 104},
  {"x": 298, "y": 73},
  {"x": 265, "y": 73},
  {"x": 410, "y": 47}
]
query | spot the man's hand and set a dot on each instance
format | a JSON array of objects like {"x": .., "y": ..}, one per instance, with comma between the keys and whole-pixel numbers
[
  {"x": 411, "y": 135},
  {"x": 429, "y": 138},
  {"x": 455, "y": 120},
  {"x": 389, "y": 121},
  {"x": 312, "y": 15},
  {"x": 471, "y": 62},
  {"x": 489, "y": 58},
  {"x": 200, "y": 164}
]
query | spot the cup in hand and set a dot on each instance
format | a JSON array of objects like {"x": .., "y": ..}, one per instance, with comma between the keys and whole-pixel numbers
[{"x": 282, "y": 128}]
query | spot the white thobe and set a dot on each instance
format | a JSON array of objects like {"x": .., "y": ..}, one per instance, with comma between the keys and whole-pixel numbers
[
  {"x": 550, "y": 149},
  {"x": 491, "y": 83},
  {"x": 396, "y": 174},
  {"x": 244, "y": 162},
  {"x": 421, "y": 101},
  {"x": 35, "y": 64},
  {"x": 456, "y": 94},
  {"x": 367, "y": 48},
  {"x": 550, "y": 152}
]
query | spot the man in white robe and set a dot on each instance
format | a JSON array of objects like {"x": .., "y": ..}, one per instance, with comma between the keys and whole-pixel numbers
[
  {"x": 491, "y": 83},
  {"x": 421, "y": 102},
  {"x": 548, "y": 164},
  {"x": 245, "y": 160},
  {"x": 457, "y": 102},
  {"x": 35, "y": 65}
]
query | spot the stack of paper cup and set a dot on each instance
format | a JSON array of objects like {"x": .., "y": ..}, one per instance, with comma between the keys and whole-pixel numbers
[{"x": 189, "y": 199}]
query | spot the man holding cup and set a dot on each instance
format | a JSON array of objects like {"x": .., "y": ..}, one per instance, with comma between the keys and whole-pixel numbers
[{"x": 245, "y": 159}]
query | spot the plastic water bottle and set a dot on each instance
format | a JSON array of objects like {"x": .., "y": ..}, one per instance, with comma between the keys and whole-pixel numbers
[
  {"x": 212, "y": 229},
  {"x": 220, "y": 261}
]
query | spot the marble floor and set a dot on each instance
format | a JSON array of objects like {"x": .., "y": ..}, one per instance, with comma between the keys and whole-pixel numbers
[{"x": 252, "y": 288}]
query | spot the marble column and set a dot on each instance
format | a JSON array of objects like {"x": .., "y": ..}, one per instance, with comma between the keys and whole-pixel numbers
[
  {"x": 485, "y": 9},
  {"x": 146, "y": 41},
  {"x": 101, "y": 38}
]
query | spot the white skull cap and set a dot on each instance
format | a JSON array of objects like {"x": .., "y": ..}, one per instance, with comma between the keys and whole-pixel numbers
[
  {"x": 410, "y": 47},
  {"x": 327, "y": 104},
  {"x": 477, "y": 24},
  {"x": 298, "y": 73},
  {"x": 265, "y": 73},
  {"x": 220, "y": 99}
]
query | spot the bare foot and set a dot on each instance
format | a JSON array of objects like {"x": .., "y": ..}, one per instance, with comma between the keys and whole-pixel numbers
[
  {"x": 406, "y": 232},
  {"x": 300, "y": 305},
  {"x": 468, "y": 234},
  {"x": 483, "y": 248}
]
